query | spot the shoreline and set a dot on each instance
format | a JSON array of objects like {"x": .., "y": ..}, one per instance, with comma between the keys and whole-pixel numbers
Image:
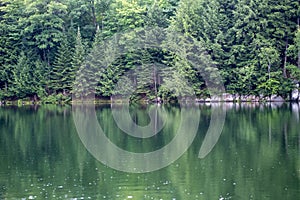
[{"x": 242, "y": 99}]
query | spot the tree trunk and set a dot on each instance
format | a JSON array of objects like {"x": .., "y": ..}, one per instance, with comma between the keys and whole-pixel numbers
[
  {"x": 46, "y": 55},
  {"x": 35, "y": 98},
  {"x": 285, "y": 59},
  {"x": 269, "y": 70},
  {"x": 298, "y": 62},
  {"x": 102, "y": 23},
  {"x": 298, "y": 27},
  {"x": 94, "y": 13}
]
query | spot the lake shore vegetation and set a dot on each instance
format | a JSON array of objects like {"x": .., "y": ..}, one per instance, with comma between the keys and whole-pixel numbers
[{"x": 44, "y": 44}]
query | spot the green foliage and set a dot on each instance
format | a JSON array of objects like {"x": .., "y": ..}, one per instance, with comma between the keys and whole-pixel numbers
[
  {"x": 254, "y": 44},
  {"x": 244, "y": 81},
  {"x": 62, "y": 73},
  {"x": 77, "y": 64},
  {"x": 270, "y": 86},
  {"x": 56, "y": 99},
  {"x": 294, "y": 55},
  {"x": 43, "y": 26},
  {"x": 159, "y": 12},
  {"x": 241, "y": 36},
  {"x": 27, "y": 79},
  {"x": 294, "y": 72}
]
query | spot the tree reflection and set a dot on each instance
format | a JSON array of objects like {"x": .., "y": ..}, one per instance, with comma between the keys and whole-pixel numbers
[{"x": 256, "y": 156}]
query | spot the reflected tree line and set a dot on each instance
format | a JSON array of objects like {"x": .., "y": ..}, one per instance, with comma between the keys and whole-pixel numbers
[{"x": 257, "y": 156}]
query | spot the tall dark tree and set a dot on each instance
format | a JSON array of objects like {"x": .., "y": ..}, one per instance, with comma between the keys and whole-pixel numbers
[
  {"x": 62, "y": 73},
  {"x": 78, "y": 65}
]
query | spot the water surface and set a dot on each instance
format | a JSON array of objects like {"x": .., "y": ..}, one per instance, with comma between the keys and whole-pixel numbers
[{"x": 257, "y": 156}]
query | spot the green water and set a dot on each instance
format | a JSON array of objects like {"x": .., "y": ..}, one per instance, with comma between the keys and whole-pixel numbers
[{"x": 257, "y": 156}]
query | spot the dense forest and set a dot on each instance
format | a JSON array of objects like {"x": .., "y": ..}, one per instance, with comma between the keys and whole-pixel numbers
[{"x": 255, "y": 45}]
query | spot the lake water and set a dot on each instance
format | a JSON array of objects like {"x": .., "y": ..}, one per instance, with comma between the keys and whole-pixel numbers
[{"x": 256, "y": 156}]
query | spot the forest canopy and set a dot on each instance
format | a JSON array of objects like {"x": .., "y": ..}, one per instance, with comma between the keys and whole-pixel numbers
[{"x": 44, "y": 44}]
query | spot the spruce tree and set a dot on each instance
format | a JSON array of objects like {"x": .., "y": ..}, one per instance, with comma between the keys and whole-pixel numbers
[
  {"x": 103, "y": 75},
  {"x": 81, "y": 69},
  {"x": 19, "y": 80},
  {"x": 62, "y": 77},
  {"x": 293, "y": 66}
]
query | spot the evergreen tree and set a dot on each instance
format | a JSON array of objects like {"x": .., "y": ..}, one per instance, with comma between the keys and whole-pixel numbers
[
  {"x": 27, "y": 79},
  {"x": 79, "y": 53},
  {"x": 293, "y": 66},
  {"x": 159, "y": 12},
  {"x": 101, "y": 60},
  {"x": 10, "y": 38},
  {"x": 254, "y": 44},
  {"x": 20, "y": 81},
  {"x": 78, "y": 63},
  {"x": 281, "y": 26},
  {"x": 62, "y": 74}
]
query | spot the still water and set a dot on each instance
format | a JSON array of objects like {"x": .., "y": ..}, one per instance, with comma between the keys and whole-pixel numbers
[{"x": 256, "y": 156}]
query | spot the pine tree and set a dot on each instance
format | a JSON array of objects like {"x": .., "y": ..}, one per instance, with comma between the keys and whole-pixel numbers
[
  {"x": 262, "y": 28},
  {"x": 62, "y": 74},
  {"x": 101, "y": 58},
  {"x": 27, "y": 78},
  {"x": 40, "y": 77},
  {"x": 10, "y": 38},
  {"x": 82, "y": 73},
  {"x": 159, "y": 12},
  {"x": 293, "y": 66},
  {"x": 211, "y": 23},
  {"x": 191, "y": 67},
  {"x": 77, "y": 63},
  {"x": 79, "y": 53},
  {"x": 281, "y": 24}
]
